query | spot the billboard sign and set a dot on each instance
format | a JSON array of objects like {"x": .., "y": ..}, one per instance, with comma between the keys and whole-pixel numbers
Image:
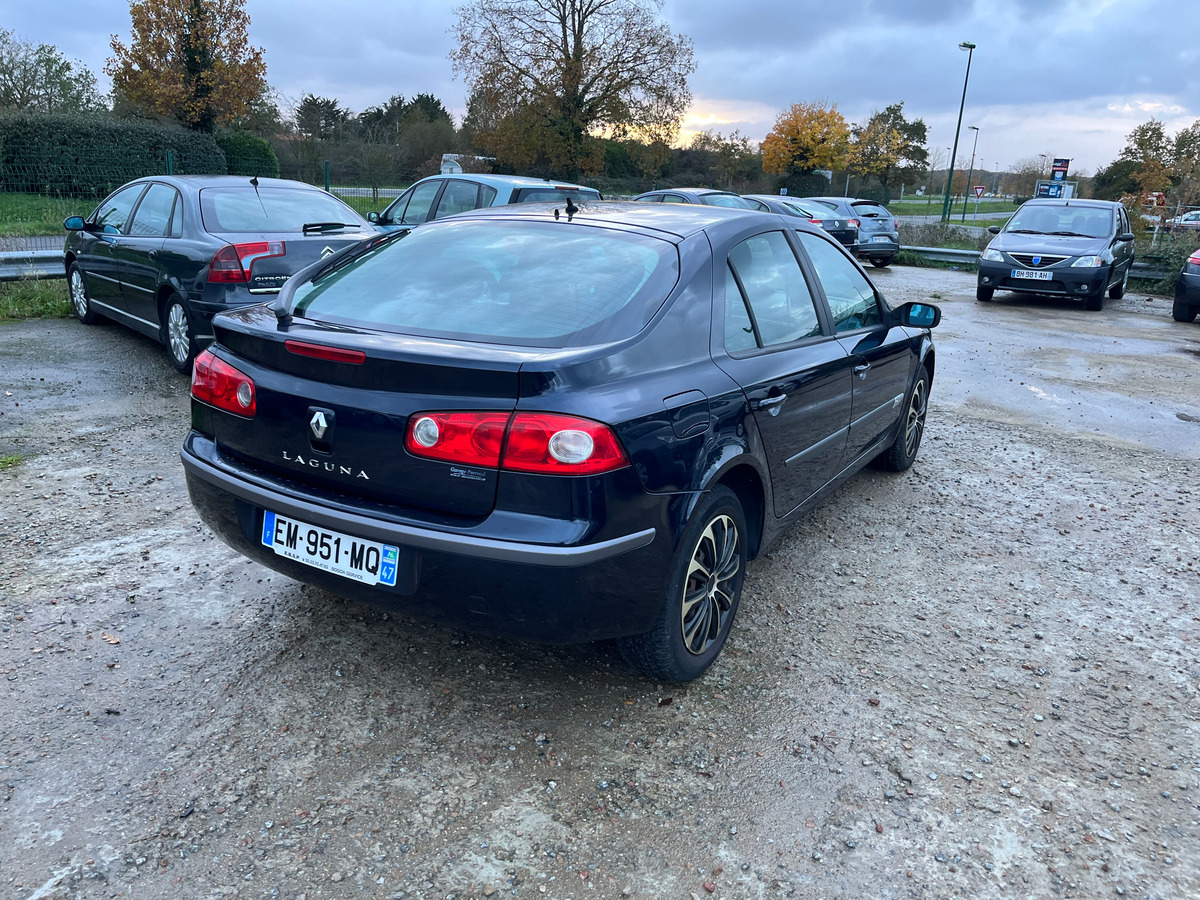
[
  {"x": 1049, "y": 189},
  {"x": 1059, "y": 171}
]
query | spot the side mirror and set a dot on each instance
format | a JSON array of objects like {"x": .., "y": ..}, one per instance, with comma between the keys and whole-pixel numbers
[
  {"x": 919, "y": 315},
  {"x": 74, "y": 223},
  {"x": 993, "y": 229},
  {"x": 1126, "y": 237},
  {"x": 373, "y": 218}
]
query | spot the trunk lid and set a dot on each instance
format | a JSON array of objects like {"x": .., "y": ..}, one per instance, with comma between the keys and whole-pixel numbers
[{"x": 268, "y": 268}]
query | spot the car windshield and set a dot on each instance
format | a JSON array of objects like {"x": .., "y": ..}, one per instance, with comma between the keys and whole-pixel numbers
[
  {"x": 1069, "y": 221},
  {"x": 733, "y": 201},
  {"x": 243, "y": 209},
  {"x": 540, "y": 284}
]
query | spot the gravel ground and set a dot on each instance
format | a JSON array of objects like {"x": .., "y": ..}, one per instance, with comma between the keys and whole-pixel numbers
[{"x": 975, "y": 679}]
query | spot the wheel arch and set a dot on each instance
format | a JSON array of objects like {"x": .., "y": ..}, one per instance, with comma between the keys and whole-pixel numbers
[{"x": 746, "y": 482}]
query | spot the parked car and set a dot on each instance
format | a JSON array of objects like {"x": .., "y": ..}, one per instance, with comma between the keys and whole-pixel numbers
[
  {"x": 1187, "y": 290},
  {"x": 878, "y": 229},
  {"x": 1188, "y": 221},
  {"x": 836, "y": 226},
  {"x": 559, "y": 428},
  {"x": 1069, "y": 248},
  {"x": 163, "y": 255},
  {"x": 439, "y": 196},
  {"x": 702, "y": 196}
]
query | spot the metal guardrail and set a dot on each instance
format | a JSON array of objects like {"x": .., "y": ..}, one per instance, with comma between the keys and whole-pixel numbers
[
  {"x": 18, "y": 264},
  {"x": 1143, "y": 270}
]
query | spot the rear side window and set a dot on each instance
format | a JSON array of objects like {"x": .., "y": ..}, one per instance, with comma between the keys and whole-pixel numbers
[
  {"x": 459, "y": 196},
  {"x": 774, "y": 290},
  {"x": 244, "y": 209},
  {"x": 731, "y": 201},
  {"x": 529, "y": 283},
  {"x": 553, "y": 195}
]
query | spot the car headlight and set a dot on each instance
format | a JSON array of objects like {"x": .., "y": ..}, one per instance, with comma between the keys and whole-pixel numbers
[
  {"x": 993, "y": 255},
  {"x": 1088, "y": 262}
]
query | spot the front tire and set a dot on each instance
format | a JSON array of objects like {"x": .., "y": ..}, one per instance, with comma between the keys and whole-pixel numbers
[
  {"x": 984, "y": 294},
  {"x": 1117, "y": 291},
  {"x": 702, "y": 597},
  {"x": 1095, "y": 303},
  {"x": 80, "y": 301},
  {"x": 903, "y": 451},
  {"x": 178, "y": 334},
  {"x": 1183, "y": 312}
]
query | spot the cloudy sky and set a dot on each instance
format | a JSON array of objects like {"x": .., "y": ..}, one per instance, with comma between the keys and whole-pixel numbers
[{"x": 1062, "y": 77}]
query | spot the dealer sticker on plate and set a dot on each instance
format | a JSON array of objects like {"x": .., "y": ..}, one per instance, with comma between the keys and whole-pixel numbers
[
  {"x": 1042, "y": 275},
  {"x": 331, "y": 551}
]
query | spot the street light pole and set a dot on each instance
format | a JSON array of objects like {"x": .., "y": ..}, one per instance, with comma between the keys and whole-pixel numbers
[
  {"x": 967, "y": 189},
  {"x": 996, "y": 181},
  {"x": 970, "y": 48}
]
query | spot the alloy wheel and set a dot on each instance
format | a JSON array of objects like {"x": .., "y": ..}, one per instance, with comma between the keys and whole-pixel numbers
[
  {"x": 914, "y": 425},
  {"x": 709, "y": 590},
  {"x": 79, "y": 297},
  {"x": 178, "y": 333}
]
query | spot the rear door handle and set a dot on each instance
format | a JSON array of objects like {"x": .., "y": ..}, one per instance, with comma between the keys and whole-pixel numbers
[{"x": 861, "y": 371}]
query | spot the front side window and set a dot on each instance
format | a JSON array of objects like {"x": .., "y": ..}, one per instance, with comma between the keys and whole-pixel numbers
[
  {"x": 153, "y": 216},
  {"x": 112, "y": 215},
  {"x": 420, "y": 200},
  {"x": 541, "y": 284},
  {"x": 778, "y": 298},
  {"x": 851, "y": 298}
]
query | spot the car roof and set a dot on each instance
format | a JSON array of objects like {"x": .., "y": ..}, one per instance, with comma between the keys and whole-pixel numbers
[
  {"x": 203, "y": 181},
  {"x": 518, "y": 181},
  {"x": 1057, "y": 201},
  {"x": 694, "y": 191},
  {"x": 677, "y": 220}
]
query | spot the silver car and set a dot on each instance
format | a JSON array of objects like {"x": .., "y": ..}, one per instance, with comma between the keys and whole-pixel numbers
[{"x": 878, "y": 229}]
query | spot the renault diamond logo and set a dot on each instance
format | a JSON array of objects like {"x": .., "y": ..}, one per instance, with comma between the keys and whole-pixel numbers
[
  {"x": 328, "y": 251},
  {"x": 318, "y": 424}
]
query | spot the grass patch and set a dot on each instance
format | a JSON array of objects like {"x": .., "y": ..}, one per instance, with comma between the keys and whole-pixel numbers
[
  {"x": 27, "y": 215},
  {"x": 908, "y": 258},
  {"x": 932, "y": 206},
  {"x": 9, "y": 462},
  {"x": 34, "y": 298},
  {"x": 938, "y": 235}
]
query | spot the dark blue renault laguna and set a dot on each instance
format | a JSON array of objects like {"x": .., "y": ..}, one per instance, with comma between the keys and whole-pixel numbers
[{"x": 560, "y": 424}]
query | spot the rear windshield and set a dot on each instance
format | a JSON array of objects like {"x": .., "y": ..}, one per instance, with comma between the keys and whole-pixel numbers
[
  {"x": 816, "y": 211},
  {"x": 870, "y": 209},
  {"x": 554, "y": 195},
  {"x": 732, "y": 201},
  {"x": 242, "y": 209},
  {"x": 539, "y": 284}
]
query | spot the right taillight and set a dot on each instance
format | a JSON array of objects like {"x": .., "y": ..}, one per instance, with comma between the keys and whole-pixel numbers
[
  {"x": 219, "y": 384},
  {"x": 549, "y": 443}
]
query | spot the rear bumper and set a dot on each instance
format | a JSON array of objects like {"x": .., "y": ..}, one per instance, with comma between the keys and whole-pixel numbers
[
  {"x": 868, "y": 247},
  {"x": 1065, "y": 281},
  {"x": 561, "y": 593}
]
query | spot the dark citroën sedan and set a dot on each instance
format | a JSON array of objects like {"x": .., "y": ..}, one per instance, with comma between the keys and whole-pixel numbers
[
  {"x": 163, "y": 255},
  {"x": 556, "y": 424}
]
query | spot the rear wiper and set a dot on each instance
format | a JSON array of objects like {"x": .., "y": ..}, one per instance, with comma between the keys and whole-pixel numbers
[{"x": 326, "y": 226}]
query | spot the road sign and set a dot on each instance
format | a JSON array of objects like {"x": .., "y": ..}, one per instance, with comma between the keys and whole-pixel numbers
[{"x": 978, "y": 191}]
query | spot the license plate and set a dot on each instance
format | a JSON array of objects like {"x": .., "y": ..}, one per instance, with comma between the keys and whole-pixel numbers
[
  {"x": 1043, "y": 275},
  {"x": 331, "y": 551},
  {"x": 881, "y": 239}
]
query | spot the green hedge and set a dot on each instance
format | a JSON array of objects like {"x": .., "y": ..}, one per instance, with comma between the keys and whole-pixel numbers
[
  {"x": 89, "y": 156},
  {"x": 247, "y": 154}
]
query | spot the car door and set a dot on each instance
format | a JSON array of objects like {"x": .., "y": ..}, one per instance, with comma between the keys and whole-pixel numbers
[
  {"x": 97, "y": 256},
  {"x": 883, "y": 357},
  {"x": 413, "y": 206},
  {"x": 774, "y": 341},
  {"x": 137, "y": 254},
  {"x": 1123, "y": 250}
]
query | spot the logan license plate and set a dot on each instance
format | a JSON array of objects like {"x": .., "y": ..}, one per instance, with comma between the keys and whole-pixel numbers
[
  {"x": 1028, "y": 273},
  {"x": 330, "y": 551}
]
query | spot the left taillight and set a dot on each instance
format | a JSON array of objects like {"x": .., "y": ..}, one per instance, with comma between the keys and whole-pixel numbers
[
  {"x": 545, "y": 443},
  {"x": 219, "y": 384},
  {"x": 234, "y": 263}
]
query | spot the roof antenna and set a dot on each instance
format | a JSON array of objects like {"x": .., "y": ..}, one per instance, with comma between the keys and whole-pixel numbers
[{"x": 254, "y": 184}]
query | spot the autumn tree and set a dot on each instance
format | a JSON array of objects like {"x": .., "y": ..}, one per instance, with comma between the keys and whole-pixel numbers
[
  {"x": 38, "y": 78},
  {"x": 555, "y": 74},
  {"x": 806, "y": 137},
  {"x": 190, "y": 60},
  {"x": 889, "y": 147}
]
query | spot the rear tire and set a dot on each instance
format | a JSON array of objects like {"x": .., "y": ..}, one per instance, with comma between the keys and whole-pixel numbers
[
  {"x": 903, "y": 451},
  {"x": 1183, "y": 312},
  {"x": 1117, "y": 291},
  {"x": 178, "y": 334},
  {"x": 880, "y": 262},
  {"x": 702, "y": 597},
  {"x": 984, "y": 294},
  {"x": 80, "y": 301}
]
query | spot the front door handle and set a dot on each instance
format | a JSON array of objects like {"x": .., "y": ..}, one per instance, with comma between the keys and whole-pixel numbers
[
  {"x": 152, "y": 254},
  {"x": 771, "y": 404},
  {"x": 861, "y": 371}
]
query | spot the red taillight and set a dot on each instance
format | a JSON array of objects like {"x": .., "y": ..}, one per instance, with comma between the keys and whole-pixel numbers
[
  {"x": 320, "y": 351},
  {"x": 234, "y": 262},
  {"x": 1195, "y": 258},
  {"x": 521, "y": 442},
  {"x": 816, "y": 222},
  {"x": 855, "y": 223},
  {"x": 895, "y": 224},
  {"x": 219, "y": 384}
]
